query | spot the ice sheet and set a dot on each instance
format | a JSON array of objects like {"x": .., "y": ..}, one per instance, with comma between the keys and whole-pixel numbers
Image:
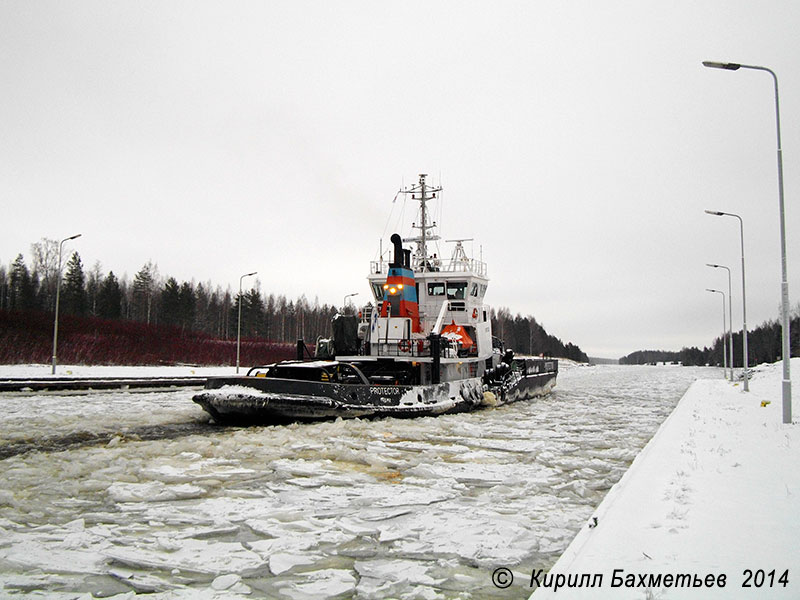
[{"x": 413, "y": 508}]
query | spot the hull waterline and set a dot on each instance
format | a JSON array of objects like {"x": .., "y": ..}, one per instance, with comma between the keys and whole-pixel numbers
[{"x": 253, "y": 400}]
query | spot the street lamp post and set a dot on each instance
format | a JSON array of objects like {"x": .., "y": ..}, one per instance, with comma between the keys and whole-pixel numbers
[
  {"x": 730, "y": 316},
  {"x": 239, "y": 324},
  {"x": 787, "y": 382},
  {"x": 724, "y": 329},
  {"x": 344, "y": 301},
  {"x": 745, "y": 366},
  {"x": 58, "y": 297}
]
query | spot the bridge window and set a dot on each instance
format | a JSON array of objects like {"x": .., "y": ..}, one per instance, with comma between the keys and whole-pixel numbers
[
  {"x": 436, "y": 288},
  {"x": 456, "y": 290}
]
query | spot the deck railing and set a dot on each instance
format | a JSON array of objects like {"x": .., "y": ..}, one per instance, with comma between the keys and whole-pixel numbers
[
  {"x": 471, "y": 265},
  {"x": 414, "y": 348}
]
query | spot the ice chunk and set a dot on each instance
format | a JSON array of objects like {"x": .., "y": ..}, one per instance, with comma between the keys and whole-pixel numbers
[
  {"x": 154, "y": 491},
  {"x": 142, "y": 583},
  {"x": 32, "y": 554},
  {"x": 385, "y": 578},
  {"x": 223, "y": 582},
  {"x": 280, "y": 562},
  {"x": 326, "y": 583},
  {"x": 198, "y": 556}
]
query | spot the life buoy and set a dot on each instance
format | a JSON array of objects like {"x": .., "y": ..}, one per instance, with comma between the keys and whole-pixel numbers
[
  {"x": 474, "y": 313},
  {"x": 404, "y": 345}
]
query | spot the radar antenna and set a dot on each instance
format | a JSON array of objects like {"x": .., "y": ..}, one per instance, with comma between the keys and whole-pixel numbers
[
  {"x": 422, "y": 192},
  {"x": 459, "y": 254}
]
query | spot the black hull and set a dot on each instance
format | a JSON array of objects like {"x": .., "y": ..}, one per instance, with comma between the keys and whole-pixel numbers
[{"x": 260, "y": 400}]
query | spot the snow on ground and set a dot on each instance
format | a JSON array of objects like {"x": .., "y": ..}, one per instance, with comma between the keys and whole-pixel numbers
[
  {"x": 413, "y": 508},
  {"x": 37, "y": 371},
  {"x": 40, "y": 370},
  {"x": 716, "y": 491}
]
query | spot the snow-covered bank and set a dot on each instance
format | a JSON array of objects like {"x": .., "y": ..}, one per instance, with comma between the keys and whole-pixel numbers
[
  {"x": 715, "y": 492},
  {"x": 20, "y": 371}
]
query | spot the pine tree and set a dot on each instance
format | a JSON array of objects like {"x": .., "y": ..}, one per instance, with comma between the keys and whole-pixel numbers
[
  {"x": 187, "y": 303},
  {"x": 252, "y": 313},
  {"x": 109, "y": 298},
  {"x": 255, "y": 312},
  {"x": 3, "y": 288},
  {"x": 170, "y": 302},
  {"x": 144, "y": 287},
  {"x": 73, "y": 290},
  {"x": 214, "y": 312},
  {"x": 201, "y": 318},
  {"x": 22, "y": 294}
]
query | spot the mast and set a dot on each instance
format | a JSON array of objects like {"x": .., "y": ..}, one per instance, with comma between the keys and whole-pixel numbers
[{"x": 423, "y": 192}]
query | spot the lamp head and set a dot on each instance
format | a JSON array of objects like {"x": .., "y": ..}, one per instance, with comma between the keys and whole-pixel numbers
[
  {"x": 721, "y": 65},
  {"x": 716, "y": 213}
]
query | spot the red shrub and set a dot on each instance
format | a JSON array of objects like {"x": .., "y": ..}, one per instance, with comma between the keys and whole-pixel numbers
[{"x": 27, "y": 337}]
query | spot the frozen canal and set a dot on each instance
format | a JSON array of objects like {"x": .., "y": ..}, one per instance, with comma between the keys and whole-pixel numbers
[{"x": 109, "y": 493}]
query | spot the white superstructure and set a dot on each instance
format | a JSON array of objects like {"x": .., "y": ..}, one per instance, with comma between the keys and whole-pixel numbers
[{"x": 449, "y": 293}]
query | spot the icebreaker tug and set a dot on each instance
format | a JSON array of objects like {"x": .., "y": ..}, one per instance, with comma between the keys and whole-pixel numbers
[{"x": 425, "y": 347}]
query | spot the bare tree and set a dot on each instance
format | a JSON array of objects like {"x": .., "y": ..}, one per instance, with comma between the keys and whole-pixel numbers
[
  {"x": 45, "y": 262},
  {"x": 93, "y": 282}
]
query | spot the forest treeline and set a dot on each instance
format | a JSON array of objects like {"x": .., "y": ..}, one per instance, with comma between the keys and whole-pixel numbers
[
  {"x": 202, "y": 307},
  {"x": 525, "y": 336},
  {"x": 764, "y": 345},
  {"x": 157, "y": 300}
]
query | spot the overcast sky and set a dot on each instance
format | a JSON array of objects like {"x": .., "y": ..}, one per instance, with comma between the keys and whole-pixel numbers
[{"x": 577, "y": 142}]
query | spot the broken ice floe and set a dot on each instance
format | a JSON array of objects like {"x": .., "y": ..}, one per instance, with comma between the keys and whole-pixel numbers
[{"x": 419, "y": 508}]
